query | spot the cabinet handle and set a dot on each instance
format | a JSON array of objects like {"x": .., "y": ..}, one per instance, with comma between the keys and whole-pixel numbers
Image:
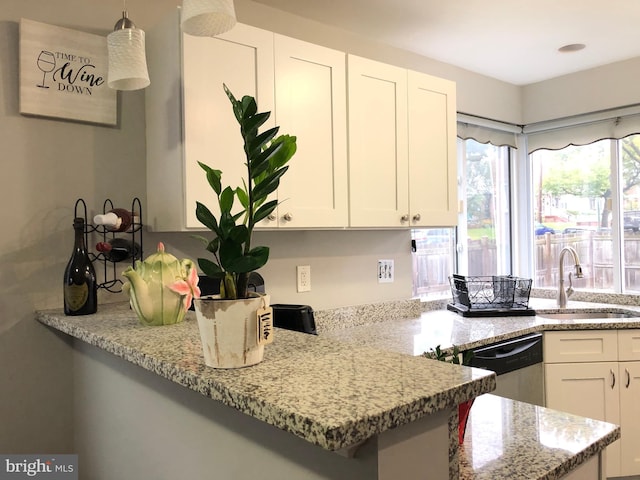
[
  {"x": 288, "y": 217},
  {"x": 416, "y": 217},
  {"x": 628, "y": 378},
  {"x": 404, "y": 218},
  {"x": 271, "y": 217},
  {"x": 613, "y": 379}
]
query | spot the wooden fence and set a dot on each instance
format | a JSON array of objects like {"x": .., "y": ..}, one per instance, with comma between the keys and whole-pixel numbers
[{"x": 432, "y": 264}]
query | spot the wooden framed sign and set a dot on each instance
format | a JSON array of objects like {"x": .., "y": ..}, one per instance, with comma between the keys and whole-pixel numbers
[{"x": 63, "y": 74}]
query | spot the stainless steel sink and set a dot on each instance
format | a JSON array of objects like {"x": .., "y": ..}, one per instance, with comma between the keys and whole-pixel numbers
[{"x": 585, "y": 315}]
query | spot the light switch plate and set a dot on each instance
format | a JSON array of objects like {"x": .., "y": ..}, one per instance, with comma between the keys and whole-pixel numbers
[{"x": 385, "y": 271}]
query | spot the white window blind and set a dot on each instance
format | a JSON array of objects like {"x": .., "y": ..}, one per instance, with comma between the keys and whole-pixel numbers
[
  {"x": 484, "y": 130},
  {"x": 583, "y": 129}
]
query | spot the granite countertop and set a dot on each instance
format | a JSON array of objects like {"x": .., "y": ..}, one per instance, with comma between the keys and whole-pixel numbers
[
  {"x": 505, "y": 438},
  {"x": 420, "y": 334},
  {"x": 509, "y": 439},
  {"x": 333, "y": 394}
]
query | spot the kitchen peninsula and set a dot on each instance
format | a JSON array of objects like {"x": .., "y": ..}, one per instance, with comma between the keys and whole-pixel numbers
[{"x": 366, "y": 406}]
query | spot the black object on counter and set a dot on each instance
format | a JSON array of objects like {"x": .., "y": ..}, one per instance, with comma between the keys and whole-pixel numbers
[
  {"x": 490, "y": 312},
  {"x": 294, "y": 317},
  {"x": 80, "y": 286}
]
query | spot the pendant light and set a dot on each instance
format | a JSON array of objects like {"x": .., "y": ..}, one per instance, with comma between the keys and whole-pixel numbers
[
  {"x": 127, "y": 59},
  {"x": 207, "y": 18}
]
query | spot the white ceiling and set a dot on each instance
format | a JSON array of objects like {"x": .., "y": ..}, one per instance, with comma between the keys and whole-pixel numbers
[{"x": 515, "y": 41}]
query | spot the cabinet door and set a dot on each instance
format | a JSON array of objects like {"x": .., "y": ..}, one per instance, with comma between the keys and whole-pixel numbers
[
  {"x": 311, "y": 104},
  {"x": 628, "y": 345},
  {"x": 243, "y": 60},
  {"x": 433, "y": 183},
  {"x": 629, "y": 374},
  {"x": 378, "y": 162},
  {"x": 581, "y": 346},
  {"x": 590, "y": 390}
]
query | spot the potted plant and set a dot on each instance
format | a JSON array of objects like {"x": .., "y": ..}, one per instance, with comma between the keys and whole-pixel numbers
[
  {"x": 457, "y": 358},
  {"x": 229, "y": 322}
]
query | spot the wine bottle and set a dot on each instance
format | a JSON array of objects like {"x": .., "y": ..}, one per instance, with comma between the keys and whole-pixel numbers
[
  {"x": 118, "y": 249},
  {"x": 115, "y": 220},
  {"x": 80, "y": 286}
]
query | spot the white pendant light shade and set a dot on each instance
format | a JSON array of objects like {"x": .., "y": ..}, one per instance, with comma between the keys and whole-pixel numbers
[
  {"x": 207, "y": 18},
  {"x": 127, "y": 59}
]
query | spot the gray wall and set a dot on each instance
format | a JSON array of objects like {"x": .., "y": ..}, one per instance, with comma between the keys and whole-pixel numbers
[{"x": 48, "y": 164}]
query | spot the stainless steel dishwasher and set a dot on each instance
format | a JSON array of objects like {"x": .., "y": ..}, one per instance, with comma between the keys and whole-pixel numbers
[{"x": 518, "y": 366}]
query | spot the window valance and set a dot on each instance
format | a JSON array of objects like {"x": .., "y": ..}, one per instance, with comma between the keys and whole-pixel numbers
[
  {"x": 487, "y": 131},
  {"x": 583, "y": 129}
]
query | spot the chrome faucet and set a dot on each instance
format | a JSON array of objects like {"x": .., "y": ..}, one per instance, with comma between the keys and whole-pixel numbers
[{"x": 562, "y": 295}]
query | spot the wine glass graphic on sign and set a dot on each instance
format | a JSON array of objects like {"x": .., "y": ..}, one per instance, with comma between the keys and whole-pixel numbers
[{"x": 46, "y": 63}]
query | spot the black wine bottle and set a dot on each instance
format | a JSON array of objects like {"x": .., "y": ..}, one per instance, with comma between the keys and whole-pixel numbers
[
  {"x": 118, "y": 249},
  {"x": 80, "y": 286}
]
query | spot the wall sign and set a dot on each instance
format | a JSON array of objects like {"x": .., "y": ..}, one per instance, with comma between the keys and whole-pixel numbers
[{"x": 63, "y": 74}]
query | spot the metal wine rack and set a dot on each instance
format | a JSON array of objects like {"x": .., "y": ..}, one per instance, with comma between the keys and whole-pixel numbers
[{"x": 110, "y": 281}]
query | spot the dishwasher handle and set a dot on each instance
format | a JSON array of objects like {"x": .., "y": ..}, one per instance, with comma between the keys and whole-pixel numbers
[
  {"x": 505, "y": 357},
  {"x": 507, "y": 350}
]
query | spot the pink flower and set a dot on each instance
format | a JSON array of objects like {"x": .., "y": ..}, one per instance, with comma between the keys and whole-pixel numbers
[{"x": 189, "y": 287}]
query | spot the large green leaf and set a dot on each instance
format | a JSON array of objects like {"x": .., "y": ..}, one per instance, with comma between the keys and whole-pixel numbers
[
  {"x": 214, "y": 177},
  {"x": 251, "y": 125},
  {"x": 283, "y": 154},
  {"x": 260, "y": 162},
  {"x": 270, "y": 183},
  {"x": 210, "y": 269},
  {"x": 249, "y": 107},
  {"x": 237, "y": 106},
  {"x": 213, "y": 245},
  {"x": 257, "y": 144},
  {"x": 230, "y": 251},
  {"x": 255, "y": 259},
  {"x": 227, "y": 223},
  {"x": 226, "y": 200},
  {"x": 239, "y": 234},
  {"x": 243, "y": 197},
  {"x": 265, "y": 210},
  {"x": 204, "y": 216}
]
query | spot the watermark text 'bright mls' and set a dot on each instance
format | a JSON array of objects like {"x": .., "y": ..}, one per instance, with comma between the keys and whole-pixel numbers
[{"x": 50, "y": 467}]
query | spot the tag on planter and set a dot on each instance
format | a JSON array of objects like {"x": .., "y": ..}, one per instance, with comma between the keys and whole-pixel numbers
[{"x": 265, "y": 326}]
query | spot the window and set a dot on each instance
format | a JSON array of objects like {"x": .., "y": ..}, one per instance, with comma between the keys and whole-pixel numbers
[
  {"x": 481, "y": 243},
  {"x": 588, "y": 197},
  {"x": 570, "y": 188},
  {"x": 484, "y": 228}
]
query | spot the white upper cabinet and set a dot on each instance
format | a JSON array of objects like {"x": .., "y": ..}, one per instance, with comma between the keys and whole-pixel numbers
[
  {"x": 243, "y": 60},
  {"x": 190, "y": 119},
  {"x": 433, "y": 182},
  {"x": 402, "y": 147},
  {"x": 378, "y": 149},
  {"x": 311, "y": 104},
  {"x": 376, "y": 144}
]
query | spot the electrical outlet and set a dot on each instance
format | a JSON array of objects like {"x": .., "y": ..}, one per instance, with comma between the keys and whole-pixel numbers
[
  {"x": 385, "y": 271},
  {"x": 303, "y": 273}
]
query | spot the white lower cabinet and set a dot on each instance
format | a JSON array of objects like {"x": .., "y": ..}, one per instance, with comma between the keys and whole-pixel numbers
[{"x": 596, "y": 374}]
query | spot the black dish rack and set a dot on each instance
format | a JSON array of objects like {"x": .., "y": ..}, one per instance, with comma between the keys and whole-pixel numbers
[{"x": 490, "y": 296}]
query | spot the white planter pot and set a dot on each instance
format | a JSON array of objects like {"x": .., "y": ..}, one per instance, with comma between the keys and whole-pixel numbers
[{"x": 229, "y": 330}]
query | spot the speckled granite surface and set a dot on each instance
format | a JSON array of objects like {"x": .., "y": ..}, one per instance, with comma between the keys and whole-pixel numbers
[
  {"x": 415, "y": 336},
  {"x": 508, "y": 439},
  {"x": 511, "y": 439},
  {"x": 343, "y": 317},
  {"x": 332, "y": 394}
]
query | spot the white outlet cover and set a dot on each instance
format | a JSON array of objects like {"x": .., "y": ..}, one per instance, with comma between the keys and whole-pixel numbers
[
  {"x": 385, "y": 271},
  {"x": 303, "y": 274}
]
